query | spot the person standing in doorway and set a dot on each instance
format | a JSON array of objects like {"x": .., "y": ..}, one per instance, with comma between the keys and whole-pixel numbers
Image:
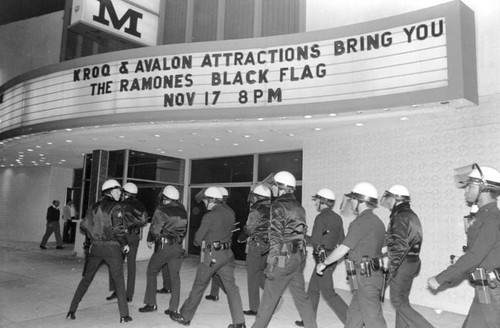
[
  {"x": 404, "y": 241},
  {"x": 52, "y": 226},
  {"x": 256, "y": 235},
  {"x": 134, "y": 217},
  {"x": 105, "y": 228},
  {"x": 327, "y": 234},
  {"x": 69, "y": 215},
  {"x": 167, "y": 231},
  {"x": 214, "y": 236},
  {"x": 287, "y": 254},
  {"x": 481, "y": 261},
  {"x": 364, "y": 242}
]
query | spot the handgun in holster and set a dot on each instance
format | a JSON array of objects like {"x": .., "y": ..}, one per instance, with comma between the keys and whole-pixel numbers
[
  {"x": 479, "y": 279},
  {"x": 203, "y": 248},
  {"x": 283, "y": 256},
  {"x": 351, "y": 274},
  {"x": 320, "y": 254},
  {"x": 365, "y": 266}
]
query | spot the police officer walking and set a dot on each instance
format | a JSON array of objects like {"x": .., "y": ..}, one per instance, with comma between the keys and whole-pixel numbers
[
  {"x": 134, "y": 217},
  {"x": 167, "y": 230},
  {"x": 327, "y": 233},
  {"x": 364, "y": 241},
  {"x": 105, "y": 227},
  {"x": 403, "y": 240},
  {"x": 214, "y": 236},
  {"x": 287, "y": 254},
  {"x": 256, "y": 235},
  {"x": 482, "y": 258}
]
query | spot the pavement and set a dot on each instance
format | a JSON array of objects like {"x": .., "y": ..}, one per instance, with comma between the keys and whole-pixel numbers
[{"x": 36, "y": 288}]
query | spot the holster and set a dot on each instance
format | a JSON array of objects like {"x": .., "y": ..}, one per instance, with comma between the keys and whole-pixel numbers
[
  {"x": 479, "y": 279},
  {"x": 365, "y": 266},
  {"x": 351, "y": 274}
]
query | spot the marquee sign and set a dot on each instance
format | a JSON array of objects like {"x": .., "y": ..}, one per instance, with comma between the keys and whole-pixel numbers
[{"x": 393, "y": 64}]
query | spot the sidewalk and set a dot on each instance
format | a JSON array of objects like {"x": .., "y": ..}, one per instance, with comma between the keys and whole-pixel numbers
[{"x": 36, "y": 287}]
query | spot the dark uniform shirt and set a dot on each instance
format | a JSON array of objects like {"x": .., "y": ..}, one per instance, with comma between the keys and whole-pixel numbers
[
  {"x": 134, "y": 213},
  {"x": 104, "y": 222},
  {"x": 169, "y": 221},
  {"x": 483, "y": 243},
  {"x": 328, "y": 230},
  {"x": 53, "y": 214},
  {"x": 288, "y": 223},
  {"x": 216, "y": 225},
  {"x": 258, "y": 220},
  {"x": 365, "y": 236},
  {"x": 404, "y": 231}
]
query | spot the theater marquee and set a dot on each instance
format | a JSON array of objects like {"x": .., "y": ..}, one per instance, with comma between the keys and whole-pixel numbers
[{"x": 416, "y": 58}]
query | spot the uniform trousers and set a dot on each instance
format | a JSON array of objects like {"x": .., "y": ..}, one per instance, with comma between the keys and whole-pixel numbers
[
  {"x": 171, "y": 256},
  {"x": 365, "y": 307},
  {"x": 292, "y": 276},
  {"x": 131, "y": 256},
  {"x": 52, "y": 227},
  {"x": 224, "y": 267},
  {"x": 112, "y": 256},
  {"x": 324, "y": 284},
  {"x": 166, "y": 277},
  {"x": 406, "y": 316},
  {"x": 484, "y": 315},
  {"x": 255, "y": 265},
  {"x": 216, "y": 286}
]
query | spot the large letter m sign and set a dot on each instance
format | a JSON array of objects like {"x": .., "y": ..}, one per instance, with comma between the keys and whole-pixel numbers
[{"x": 133, "y": 16}]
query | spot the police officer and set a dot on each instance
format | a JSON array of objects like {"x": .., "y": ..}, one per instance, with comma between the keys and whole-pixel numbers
[
  {"x": 135, "y": 217},
  {"x": 364, "y": 241},
  {"x": 214, "y": 235},
  {"x": 105, "y": 227},
  {"x": 216, "y": 281},
  {"x": 482, "y": 258},
  {"x": 403, "y": 240},
  {"x": 167, "y": 230},
  {"x": 256, "y": 235},
  {"x": 327, "y": 233},
  {"x": 287, "y": 253}
]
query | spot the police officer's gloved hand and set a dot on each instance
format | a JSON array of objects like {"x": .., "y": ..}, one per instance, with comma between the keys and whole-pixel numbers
[{"x": 269, "y": 270}]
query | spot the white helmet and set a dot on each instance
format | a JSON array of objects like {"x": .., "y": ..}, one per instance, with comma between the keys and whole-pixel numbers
[
  {"x": 285, "y": 178},
  {"x": 171, "y": 192},
  {"x": 110, "y": 184},
  {"x": 325, "y": 193},
  {"x": 130, "y": 188},
  {"x": 365, "y": 192},
  {"x": 399, "y": 192},
  {"x": 213, "y": 193},
  {"x": 263, "y": 191},
  {"x": 488, "y": 177},
  {"x": 225, "y": 193}
]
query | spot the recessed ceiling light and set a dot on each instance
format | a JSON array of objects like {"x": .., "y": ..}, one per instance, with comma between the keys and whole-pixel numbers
[
  {"x": 69, "y": 130},
  {"x": 68, "y": 140},
  {"x": 40, "y": 155},
  {"x": 194, "y": 133},
  {"x": 235, "y": 144},
  {"x": 359, "y": 112},
  {"x": 216, "y": 139},
  {"x": 49, "y": 143},
  {"x": 317, "y": 129},
  {"x": 180, "y": 150},
  {"x": 29, "y": 149},
  {"x": 37, "y": 146},
  {"x": 307, "y": 116},
  {"x": 63, "y": 160},
  {"x": 121, "y": 137},
  {"x": 162, "y": 152},
  {"x": 47, "y": 163},
  {"x": 157, "y": 135},
  {"x": 261, "y": 140},
  {"x": 158, "y": 149},
  {"x": 291, "y": 135},
  {"x": 229, "y": 131},
  {"x": 21, "y": 152},
  {"x": 246, "y": 136},
  {"x": 181, "y": 140},
  {"x": 385, "y": 109},
  {"x": 404, "y": 118},
  {"x": 95, "y": 139},
  {"x": 359, "y": 124},
  {"x": 260, "y": 119}
]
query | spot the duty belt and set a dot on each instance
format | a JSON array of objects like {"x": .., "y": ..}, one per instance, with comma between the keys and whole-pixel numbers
[
  {"x": 105, "y": 242},
  {"x": 363, "y": 267},
  {"x": 217, "y": 246},
  {"x": 169, "y": 241}
]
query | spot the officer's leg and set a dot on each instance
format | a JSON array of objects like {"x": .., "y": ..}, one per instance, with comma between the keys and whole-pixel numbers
[
  {"x": 313, "y": 290},
  {"x": 301, "y": 298},
  {"x": 253, "y": 278},
  {"x": 115, "y": 262},
  {"x": 484, "y": 315},
  {"x": 93, "y": 264},
  {"x": 133, "y": 240},
  {"x": 369, "y": 300},
  {"x": 226, "y": 274},
  {"x": 174, "y": 266},
  {"x": 166, "y": 278},
  {"x": 203, "y": 275},
  {"x": 334, "y": 301},
  {"x": 156, "y": 263},
  {"x": 354, "y": 319}
]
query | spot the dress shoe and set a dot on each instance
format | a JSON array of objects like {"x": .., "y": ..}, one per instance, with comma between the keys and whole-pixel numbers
[
  {"x": 163, "y": 291},
  {"x": 169, "y": 312},
  {"x": 71, "y": 315},
  {"x": 180, "y": 319},
  {"x": 111, "y": 297},
  {"x": 237, "y": 325},
  {"x": 126, "y": 318},
  {"x": 43, "y": 247},
  {"x": 148, "y": 308},
  {"x": 299, "y": 323},
  {"x": 129, "y": 299},
  {"x": 250, "y": 312},
  {"x": 212, "y": 298},
  {"x": 59, "y": 247}
]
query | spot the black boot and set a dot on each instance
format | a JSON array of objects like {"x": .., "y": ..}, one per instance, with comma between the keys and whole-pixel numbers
[
  {"x": 126, "y": 318},
  {"x": 111, "y": 297},
  {"x": 71, "y": 315}
]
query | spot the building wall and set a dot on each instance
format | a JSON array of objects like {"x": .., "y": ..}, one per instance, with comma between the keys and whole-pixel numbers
[
  {"x": 26, "y": 193},
  {"x": 30, "y": 44}
]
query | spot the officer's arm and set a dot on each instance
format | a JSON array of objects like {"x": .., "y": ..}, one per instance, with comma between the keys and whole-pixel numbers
[
  {"x": 337, "y": 254},
  {"x": 397, "y": 241},
  {"x": 199, "y": 236}
]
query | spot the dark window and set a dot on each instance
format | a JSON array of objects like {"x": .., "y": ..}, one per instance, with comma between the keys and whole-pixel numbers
[
  {"x": 175, "y": 21},
  {"x": 16, "y": 10},
  {"x": 155, "y": 168},
  {"x": 116, "y": 163},
  {"x": 220, "y": 170},
  {"x": 280, "y": 17},
  {"x": 205, "y": 19},
  {"x": 238, "y": 22},
  {"x": 273, "y": 163}
]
